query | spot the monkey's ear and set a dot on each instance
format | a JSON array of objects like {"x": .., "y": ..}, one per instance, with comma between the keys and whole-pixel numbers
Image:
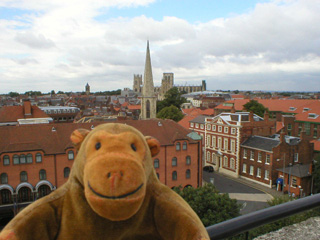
[
  {"x": 78, "y": 136},
  {"x": 154, "y": 145}
]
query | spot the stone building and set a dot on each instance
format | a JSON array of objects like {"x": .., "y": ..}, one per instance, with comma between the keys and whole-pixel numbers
[
  {"x": 148, "y": 98},
  {"x": 87, "y": 89}
]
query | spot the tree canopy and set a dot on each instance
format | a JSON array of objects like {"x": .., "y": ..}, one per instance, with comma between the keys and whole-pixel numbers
[
  {"x": 171, "y": 112},
  {"x": 211, "y": 206},
  {"x": 172, "y": 97},
  {"x": 255, "y": 107},
  {"x": 316, "y": 175}
]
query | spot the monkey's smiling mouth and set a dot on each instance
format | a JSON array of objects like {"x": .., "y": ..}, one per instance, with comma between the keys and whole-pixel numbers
[{"x": 115, "y": 197}]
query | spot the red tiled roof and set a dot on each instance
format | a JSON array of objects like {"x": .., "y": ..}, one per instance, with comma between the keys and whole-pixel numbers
[
  {"x": 279, "y": 126},
  {"x": 125, "y": 104},
  {"x": 184, "y": 122},
  {"x": 42, "y": 137},
  {"x": 13, "y": 113},
  {"x": 316, "y": 143},
  {"x": 134, "y": 107}
]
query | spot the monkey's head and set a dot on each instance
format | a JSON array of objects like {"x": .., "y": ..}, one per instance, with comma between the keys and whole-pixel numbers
[{"x": 114, "y": 165}]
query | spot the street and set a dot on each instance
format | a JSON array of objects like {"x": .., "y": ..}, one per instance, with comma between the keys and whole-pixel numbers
[{"x": 249, "y": 198}]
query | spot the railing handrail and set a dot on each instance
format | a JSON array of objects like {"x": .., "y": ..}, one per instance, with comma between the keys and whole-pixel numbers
[{"x": 252, "y": 220}]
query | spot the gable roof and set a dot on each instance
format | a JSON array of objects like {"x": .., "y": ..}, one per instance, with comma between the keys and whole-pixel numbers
[
  {"x": 297, "y": 170},
  {"x": 262, "y": 143}
]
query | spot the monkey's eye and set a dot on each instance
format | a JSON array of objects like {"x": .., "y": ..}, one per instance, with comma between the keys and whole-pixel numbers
[
  {"x": 98, "y": 145},
  {"x": 134, "y": 148}
]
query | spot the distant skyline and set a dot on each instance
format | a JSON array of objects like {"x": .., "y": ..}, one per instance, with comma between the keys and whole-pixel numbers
[{"x": 271, "y": 45}]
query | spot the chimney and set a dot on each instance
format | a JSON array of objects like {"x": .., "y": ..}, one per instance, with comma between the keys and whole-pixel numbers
[
  {"x": 310, "y": 168},
  {"x": 282, "y": 137},
  {"x": 303, "y": 134},
  {"x": 251, "y": 117},
  {"x": 27, "y": 108},
  {"x": 233, "y": 110},
  {"x": 266, "y": 116}
]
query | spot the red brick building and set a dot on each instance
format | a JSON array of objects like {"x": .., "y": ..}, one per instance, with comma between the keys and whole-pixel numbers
[
  {"x": 224, "y": 134},
  {"x": 36, "y": 159}
]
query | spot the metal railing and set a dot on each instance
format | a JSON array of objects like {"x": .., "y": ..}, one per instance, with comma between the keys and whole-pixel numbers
[{"x": 252, "y": 220}]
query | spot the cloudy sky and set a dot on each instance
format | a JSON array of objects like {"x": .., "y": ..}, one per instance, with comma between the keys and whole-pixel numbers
[{"x": 246, "y": 45}]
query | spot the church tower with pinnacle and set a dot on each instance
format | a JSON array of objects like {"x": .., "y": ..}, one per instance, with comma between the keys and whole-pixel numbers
[{"x": 148, "y": 98}]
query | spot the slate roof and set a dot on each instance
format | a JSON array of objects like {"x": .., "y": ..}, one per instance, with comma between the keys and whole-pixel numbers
[
  {"x": 297, "y": 170},
  {"x": 199, "y": 119},
  {"x": 55, "y": 138},
  {"x": 262, "y": 143}
]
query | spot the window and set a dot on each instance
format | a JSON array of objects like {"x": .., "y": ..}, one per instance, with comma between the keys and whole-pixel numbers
[
  {"x": 294, "y": 181},
  {"x": 208, "y": 126},
  {"x": 266, "y": 174},
  {"x": 267, "y": 159},
  {"x": 219, "y": 142},
  {"x": 289, "y": 127},
  {"x": 251, "y": 170},
  {"x": 225, "y": 161},
  {"x": 208, "y": 141},
  {"x": 23, "y": 176},
  {"x": 201, "y": 126},
  {"x": 6, "y": 160},
  {"x": 214, "y": 159},
  {"x": 191, "y": 124},
  {"x": 213, "y": 141},
  {"x": 252, "y": 155},
  {"x": 158, "y": 175},
  {"x": 259, "y": 156},
  {"x": 42, "y": 174},
  {"x": 16, "y": 159},
  {"x": 23, "y": 159},
  {"x": 244, "y": 153},
  {"x": 226, "y": 129},
  {"x": 5, "y": 196},
  {"x": 4, "y": 178},
  {"x": 296, "y": 157},
  {"x": 315, "y": 131},
  {"x": 66, "y": 172},
  {"x": 188, "y": 160},
  {"x": 259, "y": 172},
  {"x": 178, "y": 146},
  {"x": 197, "y": 125},
  {"x": 232, "y": 163},
  {"x": 213, "y": 127},
  {"x": 225, "y": 144},
  {"x": 44, "y": 190},
  {"x": 29, "y": 158},
  {"x": 38, "y": 157},
  {"x": 156, "y": 163},
  {"x": 70, "y": 155},
  {"x": 233, "y": 131},
  {"x": 184, "y": 146},
  {"x": 174, "y": 162},
  {"x": 233, "y": 146},
  {"x": 307, "y": 127},
  {"x": 219, "y": 128},
  {"x": 208, "y": 156},
  {"x": 244, "y": 168},
  {"x": 174, "y": 175},
  {"x": 188, "y": 174}
]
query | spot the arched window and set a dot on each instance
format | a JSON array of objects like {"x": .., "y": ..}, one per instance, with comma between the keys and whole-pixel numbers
[
  {"x": 5, "y": 196},
  {"x": 23, "y": 176},
  {"x": 16, "y": 159},
  {"x": 174, "y": 175},
  {"x": 188, "y": 160},
  {"x": 23, "y": 159},
  {"x": 66, "y": 172},
  {"x": 156, "y": 163},
  {"x": 174, "y": 161},
  {"x": 24, "y": 195},
  {"x": 42, "y": 174},
  {"x": 4, "y": 178},
  {"x": 43, "y": 191},
  {"x": 188, "y": 174},
  {"x": 70, "y": 155},
  {"x": 178, "y": 146},
  {"x": 184, "y": 146},
  {"x": 29, "y": 158},
  {"x": 148, "y": 109},
  {"x": 6, "y": 160},
  {"x": 38, "y": 157}
]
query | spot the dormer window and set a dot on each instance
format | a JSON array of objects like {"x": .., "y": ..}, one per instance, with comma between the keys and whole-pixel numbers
[
  {"x": 306, "y": 109},
  {"x": 292, "y": 109},
  {"x": 312, "y": 115}
]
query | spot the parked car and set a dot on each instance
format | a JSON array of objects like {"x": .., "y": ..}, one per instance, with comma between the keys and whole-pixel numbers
[{"x": 208, "y": 169}]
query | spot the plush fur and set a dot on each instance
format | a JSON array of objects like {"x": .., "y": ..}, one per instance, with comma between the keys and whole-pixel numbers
[{"x": 112, "y": 193}]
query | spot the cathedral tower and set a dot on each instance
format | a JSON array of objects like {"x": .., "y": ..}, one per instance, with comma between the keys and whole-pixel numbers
[
  {"x": 87, "y": 89},
  {"x": 148, "y": 98}
]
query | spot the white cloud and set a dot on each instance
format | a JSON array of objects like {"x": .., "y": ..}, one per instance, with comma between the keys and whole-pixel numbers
[{"x": 59, "y": 45}]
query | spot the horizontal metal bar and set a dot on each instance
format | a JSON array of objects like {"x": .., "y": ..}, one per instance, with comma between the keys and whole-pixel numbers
[{"x": 255, "y": 219}]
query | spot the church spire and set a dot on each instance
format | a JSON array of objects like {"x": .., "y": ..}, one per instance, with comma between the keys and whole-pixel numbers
[{"x": 148, "y": 87}]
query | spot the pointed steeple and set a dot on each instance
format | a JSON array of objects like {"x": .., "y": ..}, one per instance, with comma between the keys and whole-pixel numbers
[{"x": 148, "y": 87}]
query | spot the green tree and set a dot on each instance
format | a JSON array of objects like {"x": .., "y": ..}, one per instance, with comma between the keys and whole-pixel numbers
[
  {"x": 172, "y": 97},
  {"x": 211, "y": 206},
  {"x": 255, "y": 107},
  {"x": 316, "y": 175},
  {"x": 33, "y": 93},
  {"x": 171, "y": 112},
  {"x": 14, "y": 94}
]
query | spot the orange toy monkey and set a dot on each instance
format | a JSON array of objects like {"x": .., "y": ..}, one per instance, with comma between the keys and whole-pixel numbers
[{"x": 112, "y": 193}]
